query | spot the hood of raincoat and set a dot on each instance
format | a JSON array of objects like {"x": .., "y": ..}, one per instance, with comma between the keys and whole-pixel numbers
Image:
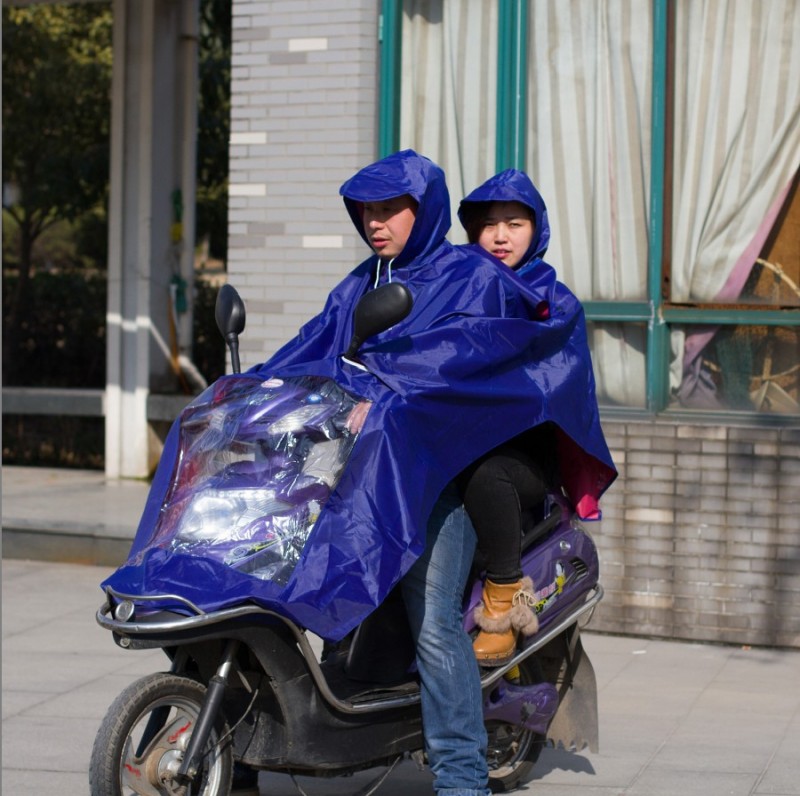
[
  {"x": 511, "y": 185},
  {"x": 404, "y": 173},
  {"x": 474, "y": 364}
]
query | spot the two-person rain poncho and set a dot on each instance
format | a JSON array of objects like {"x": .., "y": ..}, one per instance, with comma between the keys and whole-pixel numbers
[{"x": 475, "y": 363}]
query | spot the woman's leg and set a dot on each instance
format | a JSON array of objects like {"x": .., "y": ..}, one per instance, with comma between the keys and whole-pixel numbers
[{"x": 496, "y": 490}]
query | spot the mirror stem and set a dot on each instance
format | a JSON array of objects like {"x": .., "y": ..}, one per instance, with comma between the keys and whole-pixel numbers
[
  {"x": 233, "y": 345},
  {"x": 355, "y": 344}
]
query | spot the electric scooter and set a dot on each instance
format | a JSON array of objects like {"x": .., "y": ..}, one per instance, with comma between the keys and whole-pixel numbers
[{"x": 247, "y": 688}]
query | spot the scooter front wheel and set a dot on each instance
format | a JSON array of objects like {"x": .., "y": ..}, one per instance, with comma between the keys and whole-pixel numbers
[{"x": 141, "y": 742}]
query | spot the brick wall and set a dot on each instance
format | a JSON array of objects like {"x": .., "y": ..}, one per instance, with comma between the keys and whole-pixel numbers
[
  {"x": 700, "y": 537},
  {"x": 304, "y": 97}
]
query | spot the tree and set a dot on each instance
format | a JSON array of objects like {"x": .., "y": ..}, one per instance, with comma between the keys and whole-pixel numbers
[
  {"x": 56, "y": 84},
  {"x": 56, "y": 120},
  {"x": 213, "y": 124}
]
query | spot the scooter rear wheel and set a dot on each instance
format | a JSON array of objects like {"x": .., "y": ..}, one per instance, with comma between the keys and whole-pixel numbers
[
  {"x": 513, "y": 751},
  {"x": 140, "y": 744}
]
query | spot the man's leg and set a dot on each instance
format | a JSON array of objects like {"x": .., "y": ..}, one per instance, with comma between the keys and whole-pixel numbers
[{"x": 452, "y": 710}]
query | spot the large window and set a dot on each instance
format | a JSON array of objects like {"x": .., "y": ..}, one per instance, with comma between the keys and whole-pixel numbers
[{"x": 665, "y": 138}]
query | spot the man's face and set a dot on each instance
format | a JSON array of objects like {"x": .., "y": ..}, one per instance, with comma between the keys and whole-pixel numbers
[
  {"x": 507, "y": 231},
  {"x": 388, "y": 224}
]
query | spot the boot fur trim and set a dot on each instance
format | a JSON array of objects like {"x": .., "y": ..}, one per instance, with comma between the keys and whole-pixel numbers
[
  {"x": 491, "y": 624},
  {"x": 522, "y": 614},
  {"x": 521, "y": 617}
]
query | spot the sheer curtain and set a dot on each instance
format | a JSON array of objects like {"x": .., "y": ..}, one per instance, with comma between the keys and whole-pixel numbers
[
  {"x": 736, "y": 143},
  {"x": 737, "y": 147},
  {"x": 589, "y": 76},
  {"x": 449, "y": 88}
]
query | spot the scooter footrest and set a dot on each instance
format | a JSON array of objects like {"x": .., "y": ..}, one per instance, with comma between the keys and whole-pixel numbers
[{"x": 376, "y": 694}]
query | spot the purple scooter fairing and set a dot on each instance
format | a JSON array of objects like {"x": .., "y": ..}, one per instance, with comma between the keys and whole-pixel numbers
[
  {"x": 564, "y": 568},
  {"x": 561, "y": 559}
]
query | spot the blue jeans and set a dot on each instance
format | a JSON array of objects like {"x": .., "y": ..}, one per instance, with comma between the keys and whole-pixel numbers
[{"x": 452, "y": 710}]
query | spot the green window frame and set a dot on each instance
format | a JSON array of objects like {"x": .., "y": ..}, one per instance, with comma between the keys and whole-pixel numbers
[{"x": 657, "y": 312}]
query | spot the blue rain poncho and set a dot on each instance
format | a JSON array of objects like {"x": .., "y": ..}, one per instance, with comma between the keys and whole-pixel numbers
[{"x": 482, "y": 357}]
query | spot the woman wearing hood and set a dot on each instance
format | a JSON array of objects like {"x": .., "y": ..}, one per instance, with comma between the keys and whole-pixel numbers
[{"x": 507, "y": 217}]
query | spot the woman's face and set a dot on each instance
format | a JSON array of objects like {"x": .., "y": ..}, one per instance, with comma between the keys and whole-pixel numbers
[{"x": 507, "y": 231}]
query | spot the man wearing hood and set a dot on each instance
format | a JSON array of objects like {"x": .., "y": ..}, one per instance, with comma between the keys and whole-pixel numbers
[
  {"x": 406, "y": 233},
  {"x": 442, "y": 387}
]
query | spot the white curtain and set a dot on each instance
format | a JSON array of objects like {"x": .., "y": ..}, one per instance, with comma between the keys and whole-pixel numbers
[
  {"x": 737, "y": 147},
  {"x": 589, "y": 76},
  {"x": 449, "y": 89},
  {"x": 736, "y": 142},
  {"x": 737, "y": 134}
]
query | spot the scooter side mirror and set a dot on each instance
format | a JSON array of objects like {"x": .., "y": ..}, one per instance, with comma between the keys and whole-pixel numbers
[
  {"x": 229, "y": 313},
  {"x": 377, "y": 311}
]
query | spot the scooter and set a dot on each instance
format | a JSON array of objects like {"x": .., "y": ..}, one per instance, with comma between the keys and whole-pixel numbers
[{"x": 247, "y": 688}]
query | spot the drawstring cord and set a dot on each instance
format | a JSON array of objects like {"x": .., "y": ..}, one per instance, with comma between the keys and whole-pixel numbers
[
  {"x": 523, "y": 596},
  {"x": 378, "y": 272}
]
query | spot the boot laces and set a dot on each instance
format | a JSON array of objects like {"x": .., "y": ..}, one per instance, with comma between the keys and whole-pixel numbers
[{"x": 524, "y": 596}]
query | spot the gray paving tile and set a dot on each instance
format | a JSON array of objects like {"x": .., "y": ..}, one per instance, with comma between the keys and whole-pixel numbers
[
  {"x": 656, "y": 782},
  {"x": 27, "y": 783},
  {"x": 47, "y": 743},
  {"x": 675, "y": 718}
]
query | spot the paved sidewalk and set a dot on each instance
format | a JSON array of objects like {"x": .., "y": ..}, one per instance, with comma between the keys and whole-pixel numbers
[
  {"x": 69, "y": 515},
  {"x": 675, "y": 719}
]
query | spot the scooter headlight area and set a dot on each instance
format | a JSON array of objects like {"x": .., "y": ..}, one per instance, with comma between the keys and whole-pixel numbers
[
  {"x": 225, "y": 513},
  {"x": 257, "y": 462},
  {"x": 247, "y": 528}
]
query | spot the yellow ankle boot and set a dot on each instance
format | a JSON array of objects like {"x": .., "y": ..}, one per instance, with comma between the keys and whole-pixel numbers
[{"x": 507, "y": 609}]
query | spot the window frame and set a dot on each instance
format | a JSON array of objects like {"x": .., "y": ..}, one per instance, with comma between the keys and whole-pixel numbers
[{"x": 657, "y": 311}]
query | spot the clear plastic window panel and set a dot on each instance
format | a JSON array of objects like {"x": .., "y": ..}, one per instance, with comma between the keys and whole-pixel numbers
[{"x": 257, "y": 462}]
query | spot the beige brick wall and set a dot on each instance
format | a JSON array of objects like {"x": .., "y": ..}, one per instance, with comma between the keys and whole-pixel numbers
[
  {"x": 304, "y": 93},
  {"x": 700, "y": 537}
]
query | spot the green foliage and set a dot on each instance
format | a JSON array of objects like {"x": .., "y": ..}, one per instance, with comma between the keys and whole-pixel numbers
[
  {"x": 56, "y": 111},
  {"x": 213, "y": 125},
  {"x": 36, "y": 441},
  {"x": 63, "y": 245},
  {"x": 63, "y": 344},
  {"x": 56, "y": 115},
  {"x": 62, "y": 337},
  {"x": 56, "y": 119}
]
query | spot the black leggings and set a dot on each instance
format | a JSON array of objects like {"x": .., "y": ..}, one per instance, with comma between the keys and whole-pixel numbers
[{"x": 497, "y": 490}]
